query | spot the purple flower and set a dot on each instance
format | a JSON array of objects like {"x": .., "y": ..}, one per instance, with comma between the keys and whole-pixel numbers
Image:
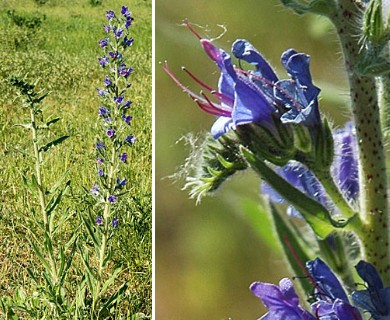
[
  {"x": 345, "y": 163},
  {"x": 127, "y": 42},
  {"x": 107, "y": 81},
  {"x": 99, "y": 161},
  {"x": 110, "y": 14},
  {"x": 332, "y": 301},
  {"x": 104, "y": 42},
  {"x": 103, "y": 111},
  {"x": 125, "y": 11},
  {"x": 118, "y": 32},
  {"x": 127, "y": 105},
  {"x": 376, "y": 297},
  {"x": 100, "y": 145},
  {"x": 125, "y": 72},
  {"x": 281, "y": 301},
  {"x": 115, "y": 223},
  {"x": 298, "y": 93},
  {"x": 126, "y": 119},
  {"x": 115, "y": 55},
  {"x": 100, "y": 172},
  {"x": 99, "y": 221},
  {"x": 101, "y": 93},
  {"x": 239, "y": 100},
  {"x": 103, "y": 61},
  {"x": 128, "y": 23},
  {"x": 121, "y": 183},
  {"x": 111, "y": 198},
  {"x": 95, "y": 190},
  {"x": 107, "y": 29},
  {"x": 130, "y": 139},
  {"x": 110, "y": 133},
  {"x": 304, "y": 180},
  {"x": 118, "y": 99},
  {"x": 123, "y": 157}
]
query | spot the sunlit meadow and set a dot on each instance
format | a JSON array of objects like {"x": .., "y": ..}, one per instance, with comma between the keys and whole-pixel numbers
[{"x": 54, "y": 44}]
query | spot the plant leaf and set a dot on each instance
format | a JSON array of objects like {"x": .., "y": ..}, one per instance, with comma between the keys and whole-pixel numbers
[
  {"x": 53, "y": 143},
  {"x": 314, "y": 213}
]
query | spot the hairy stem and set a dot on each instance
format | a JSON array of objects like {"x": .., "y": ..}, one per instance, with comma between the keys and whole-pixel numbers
[
  {"x": 372, "y": 170},
  {"x": 41, "y": 192}
]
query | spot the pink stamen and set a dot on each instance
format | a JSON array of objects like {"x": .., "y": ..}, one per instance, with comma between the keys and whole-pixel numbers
[
  {"x": 188, "y": 25},
  {"x": 201, "y": 83}
]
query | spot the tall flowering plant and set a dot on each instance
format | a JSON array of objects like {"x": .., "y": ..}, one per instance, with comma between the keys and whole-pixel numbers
[
  {"x": 334, "y": 179},
  {"x": 111, "y": 157}
]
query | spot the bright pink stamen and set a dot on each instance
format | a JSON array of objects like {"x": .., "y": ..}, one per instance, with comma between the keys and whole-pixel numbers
[{"x": 188, "y": 25}]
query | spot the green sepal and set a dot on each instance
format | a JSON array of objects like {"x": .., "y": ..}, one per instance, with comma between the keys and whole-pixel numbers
[
  {"x": 267, "y": 144},
  {"x": 293, "y": 247},
  {"x": 53, "y": 143},
  {"x": 302, "y": 139},
  {"x": 324, "y": 147},
  {"x": 373, "y": 26},
  {"x": 322, "y": 7},
  {"x": 313, "y": 212}
]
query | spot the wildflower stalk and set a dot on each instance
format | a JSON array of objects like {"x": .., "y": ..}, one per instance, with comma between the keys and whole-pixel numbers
[{"x": 372, "y": 170}]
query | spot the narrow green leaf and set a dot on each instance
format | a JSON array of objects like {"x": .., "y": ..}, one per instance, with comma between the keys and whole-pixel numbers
[
  {"x": 116, "y": 296},
  {"x": 296, "y": 254},
  {"x": 53, "y": 143},
  {"x": 110, "y": 280},
  {"x": 94, "y": 236},
  {"x": 24, "y": 125},
  {"x": 260, "y": 220},
  {"x": 40, "y": 256},
  {"x": 313, "y": 212}
]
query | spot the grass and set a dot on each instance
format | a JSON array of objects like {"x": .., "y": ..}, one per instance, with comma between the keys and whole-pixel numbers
[{"x": 61, "y": 53}]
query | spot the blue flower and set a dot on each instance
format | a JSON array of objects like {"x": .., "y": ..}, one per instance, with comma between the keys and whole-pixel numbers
[
  {"x": 100, "y": 145},
  {"x": 127, "y": 42},
  {"x": 126, "y": 119},
  {"x": 115, "y": 223},
  {"x": 110, "y": 14},
  {"x": 104, "y": 42},
  {"x": 121, "y": 183},
  {"x": 103, "y": 61},
  {"x": 110, "y": 133},
  {"x": 107, "y": 81},
  {"x": 130, "y": 139},
  {"x": 118, "y": 99},
  {"x": 99, "y": 221},
  {"x": 95, "y": 190},
  {"x": 100, "y": 172},
  {"x": 111, "y": 198},
  {"x": 332, "y": 300},
  {"x": 256, "y": 96},
  {"x": 298, "y": 93},
  {"x": 376, "y": 298},
  {"x": 103, "y": 111},
  {"x": 123, "y": 157},
  {"x": 345, "y": 163},
  {"x": 281, "y": 301}
]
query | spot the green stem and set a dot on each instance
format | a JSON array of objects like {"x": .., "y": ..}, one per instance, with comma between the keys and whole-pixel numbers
[
  {"x": 334, "y": 193},
  {"x": 41, "y": 192},
  {"x": 372, "y": 163}
]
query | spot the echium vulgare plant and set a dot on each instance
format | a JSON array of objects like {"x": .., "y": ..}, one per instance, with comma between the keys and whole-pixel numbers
[
  {"x": 334, "y": 179},
  {"x": 45, "y": 219},
  {"x": 111, "y": 159}
]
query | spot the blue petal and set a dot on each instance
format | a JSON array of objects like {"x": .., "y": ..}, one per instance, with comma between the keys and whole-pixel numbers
[
  {"x": 221, "y": 126},
  {"x": 250, "y": 105},
  {"x": 345, "y": 164},
  {"x": 329, "y": 287},
  {"x": 244, "y": 50},
  {"x": 227, "y": 79}
]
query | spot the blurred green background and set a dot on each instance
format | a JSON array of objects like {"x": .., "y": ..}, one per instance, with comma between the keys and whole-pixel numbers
[{"x": 207, "y": 255}]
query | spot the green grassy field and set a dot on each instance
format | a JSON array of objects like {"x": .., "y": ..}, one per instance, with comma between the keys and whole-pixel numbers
[{"x": 55, "y": 42}]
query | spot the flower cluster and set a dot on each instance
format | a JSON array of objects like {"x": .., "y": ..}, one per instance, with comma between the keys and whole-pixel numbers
[
  {"x": 330, "y": 299},
  {"x": 113, "y": 111}
]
